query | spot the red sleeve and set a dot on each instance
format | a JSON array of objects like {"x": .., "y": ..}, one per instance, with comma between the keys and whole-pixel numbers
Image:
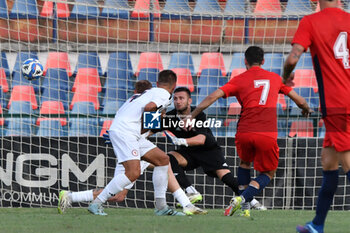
[
  {"x": 285, "y": 89},
  {"x": 230, "y": 88},
  {"x": 303, "y": 34}
]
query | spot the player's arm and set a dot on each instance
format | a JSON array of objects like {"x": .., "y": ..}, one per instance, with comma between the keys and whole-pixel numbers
[
  {"x": 300, "y": 102},
  {"x": 209, "y": 100},
  {"x": 291, "y": 62}
]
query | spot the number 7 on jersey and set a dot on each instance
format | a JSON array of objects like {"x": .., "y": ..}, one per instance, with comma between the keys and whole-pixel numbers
[{"x": 266, "y": 88}]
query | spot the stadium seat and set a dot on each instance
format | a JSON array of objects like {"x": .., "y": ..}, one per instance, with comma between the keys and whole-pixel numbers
[
  {"x": 58, "y": 60},
  {"x": 237, "y": 71},
  {"x": 20, "y": 126},
  {"x": 116, "y": 9},
  {"x": 176, "y": 9},
  {"x": 151, "y": 61},
  {"x": 298, "y": 7},
  {"x": 24, "y": 9},
  {"x": 3, "y": 99},
  {"x": 88, "y": 60},
  {"x": 235, "y": 7},
  {"x": 237, "y": 61},
  {"x": 106, "y": 125},
  {"x": 305, "y": 78},
  {"x": 114, "y": 94},
  {"x": 303, "y": 128},
  {"x": 52, "y": 107},
  {"x": 23, "y": 93},
  {"x": 47, "y": 10},
  {"x": 86, "y": 93},
  {"x": 142, "y": 9},
  {"x": 111, "y": 107},
  {"x": 83, "y": 125},
  {"x": 3, "y": 80},
  {"x": 4, "y": 64},
  {"x": 305, "y": 62},
  {"x": 182, "y": 60},
  {"x": 50, "y": 128},
  {"x": 150, "y": 74},
  {"x": 206, "y": 9},
  {"x": 19, "y": 80},
  {"x": 310, "y": 96},
  {"x": 119, "y": 71},
  {"x": 282, "y": 127},
  {"x": 85, "y": 9},
  {"x": 55, "y": 94},
  {"x": 212, "y": 61},
  {"x": 273, "y": 62},
  {"x": 231, "y": 127},
  {"x": 3, "y": 9},
  {"x": 57, "y": 79},
  {"x": 184, "y": 78},
  {"x": 87, "y": 76},
  {"x": 20, "y": 58},
  {"x": 234, "y": 109},
  {"x": 268, "y": 8}
]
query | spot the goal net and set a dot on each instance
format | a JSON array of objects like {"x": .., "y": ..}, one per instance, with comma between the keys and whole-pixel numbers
[{"x": 93, "y": 52}]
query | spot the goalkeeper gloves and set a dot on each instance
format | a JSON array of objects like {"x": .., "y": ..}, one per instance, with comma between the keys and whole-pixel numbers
[{"x": 176, "y": 141}]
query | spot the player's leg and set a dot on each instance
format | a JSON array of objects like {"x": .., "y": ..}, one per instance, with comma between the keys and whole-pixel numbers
[
  {"x": 179, "y": 194},
  {"x": 178, "y": 162},
  {"x": 226, "y": 176}
]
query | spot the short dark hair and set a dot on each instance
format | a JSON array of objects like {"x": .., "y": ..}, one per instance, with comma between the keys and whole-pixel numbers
[
  {"x": 185, "y": 89},
  {"x": 167, "y": 77},
  {"x": 142, "y": 85},
  {"x": 254, "y": 55}
]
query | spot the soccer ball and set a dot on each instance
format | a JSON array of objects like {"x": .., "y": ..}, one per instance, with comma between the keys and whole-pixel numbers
[{"x": 32, "y": 69}]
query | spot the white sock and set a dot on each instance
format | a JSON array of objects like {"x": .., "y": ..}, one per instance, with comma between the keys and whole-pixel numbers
[
  {"x": 160, "y": 184},
  {"x": 82, "y": 196},
  {"x": 160, "y": 181},
  {"x": 254, "y": 202},
  {"x": 191, "y": 189},
  {"x": 116, "y": 185},
  {"x": 181, "y": 197}
]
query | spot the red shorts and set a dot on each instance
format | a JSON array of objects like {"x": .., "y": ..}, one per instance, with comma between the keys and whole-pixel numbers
[
  {"x": 260, "y": 149},
  {"x": 337, "y": 132}
]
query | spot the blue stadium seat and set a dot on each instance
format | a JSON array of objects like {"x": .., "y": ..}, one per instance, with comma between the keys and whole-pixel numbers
[
  {"x": 20, "y": 126},
  {"x": 19, "y": 80},
  {"x": 85, "y": 9},
  {"x": 20, "y": 58},
  {"x": 111, "y": 107},
  {"x": 305, "y": 62},
  {"x": 24, "y": 9},
  {"x": 182, "y": 60},
  {"x": 4, "y": 64},
  {"x": 236, "y": 62},
  {"x": 55, "y": 94},
  {"x": 273, "y": 62},
  {"x": 176, "y": 9},
  {"x": 116, "y": 9},
  {"x": 88, "y": 60},
  {"x": 298, "y": 7},
  {"x": 310, "y": 96},
  {"x": 113, "y": 94},
  {"x": 234, "y": 7},
  {"x": 206, "y": 9},
  {"x": 283, "y": 128},
  {"x": 56, "y": 78},
  {"x": 208, "y": 82},
  {"x": 83, "y": 126},
  {"x": 3, "y": 9},
  {"x": 119, "y": 71},
  {"x": 150, "y": 74},
  {"x": 51, "y": 128},
  {"x": 3, "y": 100}
]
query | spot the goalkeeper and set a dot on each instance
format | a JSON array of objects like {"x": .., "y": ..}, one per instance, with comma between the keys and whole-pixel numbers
[{"x": 196, "y": 148}]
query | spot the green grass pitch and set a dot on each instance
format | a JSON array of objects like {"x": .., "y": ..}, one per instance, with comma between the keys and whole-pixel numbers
[{"x": 143, "y": 220}]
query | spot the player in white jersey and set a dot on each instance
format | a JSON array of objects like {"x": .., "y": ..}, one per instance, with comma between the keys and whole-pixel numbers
[{"x": 129, "y": 146}]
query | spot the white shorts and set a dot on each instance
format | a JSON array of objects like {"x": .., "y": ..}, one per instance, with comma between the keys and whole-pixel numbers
[
  {"x": 119, "y": 169},
  {"x": 128, "y": 147}
]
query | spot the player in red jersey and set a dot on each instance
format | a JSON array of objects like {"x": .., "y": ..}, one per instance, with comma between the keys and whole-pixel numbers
[
  {"x": 326, "y": 34},
  {"x": 256, "y": 139}
]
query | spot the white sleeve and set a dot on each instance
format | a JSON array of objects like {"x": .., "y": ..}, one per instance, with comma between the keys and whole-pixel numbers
[{"x": 162, "y": 100}]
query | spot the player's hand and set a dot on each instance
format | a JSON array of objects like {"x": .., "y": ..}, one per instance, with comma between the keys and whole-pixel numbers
[
  {"x": 307, "y": 112},
  {"x": 289, "y": 81},
  {"x": 106, "y": 137},
  {"x": 176, "y": 141}
]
